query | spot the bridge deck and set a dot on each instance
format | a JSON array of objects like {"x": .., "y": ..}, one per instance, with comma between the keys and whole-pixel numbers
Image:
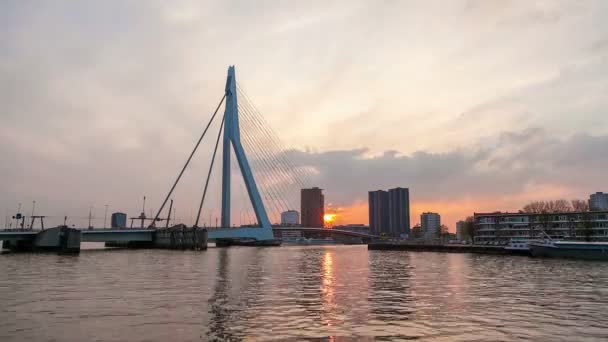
[{"x": 105, "y": 235}]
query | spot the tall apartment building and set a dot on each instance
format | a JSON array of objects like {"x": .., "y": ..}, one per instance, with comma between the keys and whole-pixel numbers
[
  {"x": 378, "y": 212},
  {"x": 598, "y": 201},
  {"x": 389, "y": 212},
  {"x": 502, "y": 227},
  {"x": 430, "y": 223},
  {"x": 312, "y": 207},
  {"x": 399, "y": 211}
]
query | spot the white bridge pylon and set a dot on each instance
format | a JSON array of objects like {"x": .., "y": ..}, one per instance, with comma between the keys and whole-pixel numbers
[{"x": 232, "y": 140}]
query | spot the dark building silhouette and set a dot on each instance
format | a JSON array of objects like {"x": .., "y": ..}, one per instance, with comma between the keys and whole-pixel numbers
[
  {"x": 389, "y": 212},
  {"x": 119, "y": 220},
  {"x": 399, "y": 211},
  {"x": 378, "y": 212},
  {"x": 312, "y": 209}
]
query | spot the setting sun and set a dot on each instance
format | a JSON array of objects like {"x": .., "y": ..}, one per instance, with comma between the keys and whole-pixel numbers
[{"x": 329, "y": 218}]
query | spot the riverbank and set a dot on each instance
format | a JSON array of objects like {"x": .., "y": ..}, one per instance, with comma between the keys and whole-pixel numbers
[{"x": 400, "y": 246}]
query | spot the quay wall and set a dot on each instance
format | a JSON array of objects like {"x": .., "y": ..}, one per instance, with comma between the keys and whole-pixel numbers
[{"x": 396, "y": 246}]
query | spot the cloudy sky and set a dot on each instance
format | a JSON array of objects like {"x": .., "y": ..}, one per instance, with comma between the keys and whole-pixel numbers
[{"x": 473, "y": 105}]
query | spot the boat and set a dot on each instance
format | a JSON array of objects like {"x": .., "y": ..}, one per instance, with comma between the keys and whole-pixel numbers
[
  {"x": 570, "y": 249},
  {"x": 520, "y": 246}
]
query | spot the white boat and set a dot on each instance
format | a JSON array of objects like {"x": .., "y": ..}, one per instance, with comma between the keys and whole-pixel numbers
[{"x": 519, "y": 246}]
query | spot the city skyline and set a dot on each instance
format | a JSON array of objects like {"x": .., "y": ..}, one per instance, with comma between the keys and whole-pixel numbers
[{"x": 458, "y": 122}]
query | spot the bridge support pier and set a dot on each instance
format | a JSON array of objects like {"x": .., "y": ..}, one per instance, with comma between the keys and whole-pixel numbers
[
  {"x": 19, "y": 245},
  {"x": 180, "y": 237},
  {"x": 59, "y": 239}
]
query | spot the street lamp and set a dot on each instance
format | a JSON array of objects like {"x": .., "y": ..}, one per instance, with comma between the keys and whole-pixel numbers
[
  {"x": 90, "y": 216},
  {"x": 105, "y": 217}
]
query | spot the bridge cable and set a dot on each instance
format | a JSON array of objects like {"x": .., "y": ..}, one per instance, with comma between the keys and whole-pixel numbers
[
  {"x": 297, "y": 173},
  {"x": 272, "y": 135},
  {"x": 274, "y": 158},
  {"x": 187, "y": 162},
  {"x": 200, "y": 207},
  {"x": 270, "y": 193},
  {"x": 260, "y": 153},
  {"x": 271, "y": 155},
  {"x": 278, "y": 175}
]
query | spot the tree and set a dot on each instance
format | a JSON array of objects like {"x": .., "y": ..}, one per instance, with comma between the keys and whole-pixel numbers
[
  {"x": 538, "y": 207},
  {"x": 416, "y": 232},
  {"x": 580, "y": 205},
  {"x": 443, "y": 230},
  {"x": 535, "y": 207},
  {"x": 561, "y": 205},
  {"x": 468, "y": 228}
]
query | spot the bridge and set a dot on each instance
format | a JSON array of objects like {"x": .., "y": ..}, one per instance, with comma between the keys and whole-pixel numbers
[
  {"x": 147, "y": 234},
  {"x": 279, "y": 175}
]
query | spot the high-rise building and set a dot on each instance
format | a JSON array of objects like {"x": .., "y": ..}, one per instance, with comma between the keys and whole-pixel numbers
[
  {"x": 378, "y": 212},
  {"x": 399, "y": 211},
  {"x": 290, "y": 218},
  {"x": 430, "y": 223},
  {"x": 598, "y": 201},
  {"x": 312, "y": 203},
  {"x": 119, "y": 220}
]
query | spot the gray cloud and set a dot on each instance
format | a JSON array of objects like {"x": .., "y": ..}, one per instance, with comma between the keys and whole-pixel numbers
[
  {"x": 513, "y": 162},
  {"x": 101, "y": 101}
]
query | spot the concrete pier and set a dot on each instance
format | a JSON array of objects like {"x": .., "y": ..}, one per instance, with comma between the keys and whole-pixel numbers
[
  {"x": 59, "y": 239},
  {"x": 181, "y": 237},
  {"x": 67, "y": 240}
]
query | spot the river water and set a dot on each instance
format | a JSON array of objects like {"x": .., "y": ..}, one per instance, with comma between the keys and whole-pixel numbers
[{"x": 327, "y": 292}]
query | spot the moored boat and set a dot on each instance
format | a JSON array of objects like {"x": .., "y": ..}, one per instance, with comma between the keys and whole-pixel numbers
[
  {"x": 570, "y": 249},
  {"x": 519, "y": 246}
]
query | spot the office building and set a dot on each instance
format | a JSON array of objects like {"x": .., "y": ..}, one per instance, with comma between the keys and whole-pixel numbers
[
  {"x": 119, "y": 220},
  {"x": 399, "y": 211},
  {"x": 378, "y": 212},
  {"x": 430, "y": 223},
  {"x": 500, "y": 227},
  {"x": 598, "y": 201},
  {"x": 290, "y": 218},
  {"x": 312, "y": 203}
]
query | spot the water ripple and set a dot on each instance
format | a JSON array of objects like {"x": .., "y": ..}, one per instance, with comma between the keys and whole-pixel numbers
[{"x": 340, "y": 293}]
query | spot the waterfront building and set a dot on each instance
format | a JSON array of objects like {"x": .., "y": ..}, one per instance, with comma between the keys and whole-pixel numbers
[
  {"x": 290, "y": 218},
  {"x": 378, "y": 212},
  {"x": 502, "y": 227},
  {"x": 459, "y": 230},
  {"x": 119, "y": 220},
  {"x": 312, "y": 203},
  {"x": 430, "y": 223},
  {"x": 598, "y": 201},
  {"x": 399, "y": 211}
]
